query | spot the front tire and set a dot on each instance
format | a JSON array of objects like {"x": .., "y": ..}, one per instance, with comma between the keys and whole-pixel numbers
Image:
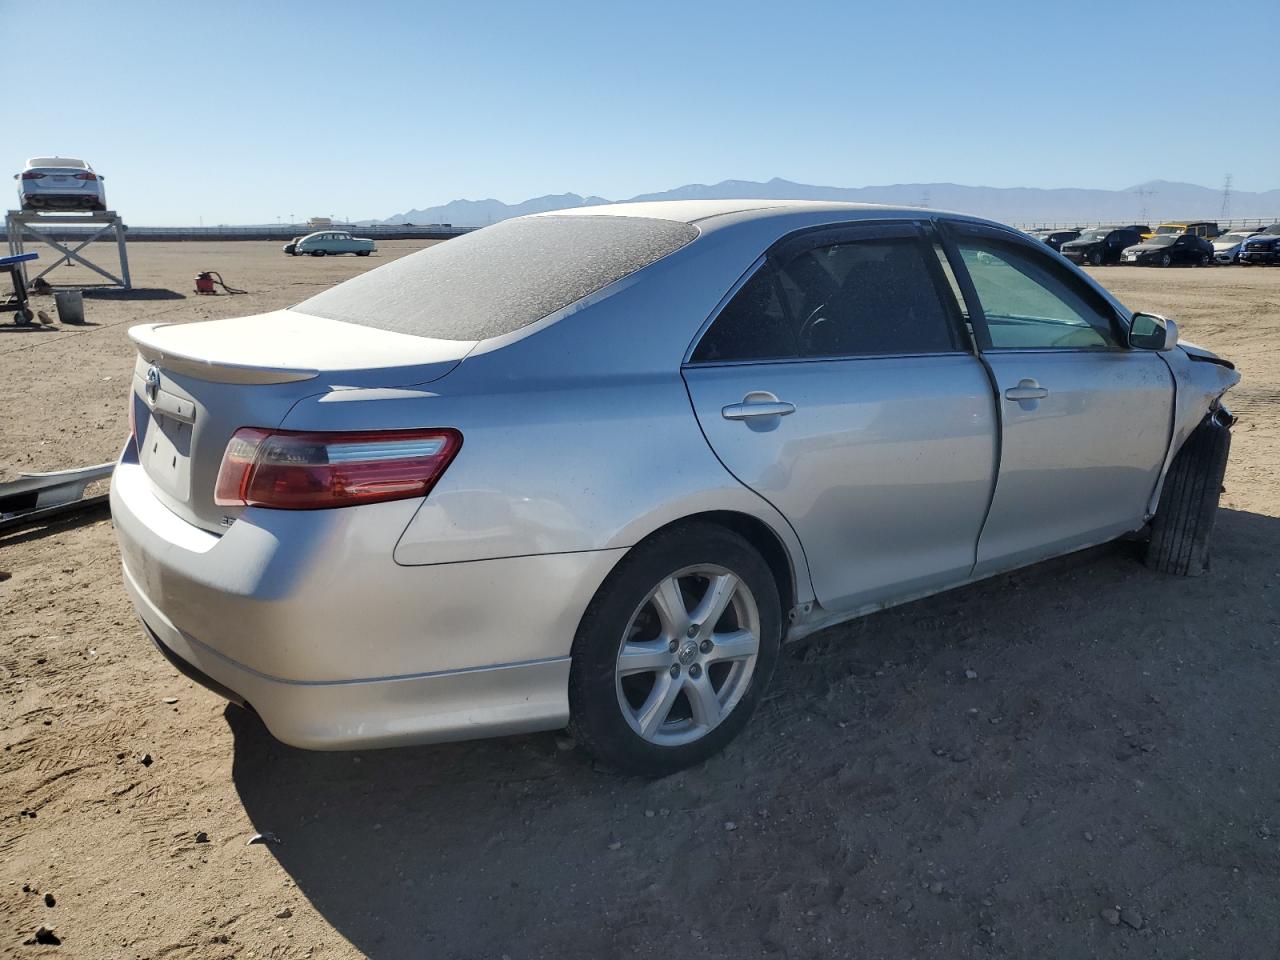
[
  {"x": 1095, "y": 258},
  {"x": 1188, "y": 505},
  {"x": 317, "y": 253},
  {"x": 675, "y": 651},
  {"x": 1166, "y": 260}
]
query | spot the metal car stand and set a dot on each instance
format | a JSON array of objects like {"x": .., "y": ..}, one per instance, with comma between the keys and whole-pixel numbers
[{"x": 36, "y": 225}]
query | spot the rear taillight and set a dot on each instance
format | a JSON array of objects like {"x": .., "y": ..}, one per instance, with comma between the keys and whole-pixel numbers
[
  {"x": 86, "y": 176},
  {"x": 32, "y": 175},
  {"x": 289, "y": 470}
]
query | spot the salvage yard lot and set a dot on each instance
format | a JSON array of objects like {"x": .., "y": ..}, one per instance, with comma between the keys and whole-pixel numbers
[{"x": 987, "y": 773}]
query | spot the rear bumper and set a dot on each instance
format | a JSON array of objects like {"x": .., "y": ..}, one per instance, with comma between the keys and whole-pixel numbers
[
  {"x": 62, "y": 199},
  {"x": 390, "y": 711},
  {"x": 334, "y": 644}
]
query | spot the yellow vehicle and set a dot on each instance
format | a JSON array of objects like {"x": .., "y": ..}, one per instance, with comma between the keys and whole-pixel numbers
[{"x": 1197, "y": 228}]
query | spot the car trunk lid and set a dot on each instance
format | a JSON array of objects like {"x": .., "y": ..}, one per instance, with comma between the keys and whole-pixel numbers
[
  {"x": 61, "y": 178},
  {"x": 195, "y": 384}
]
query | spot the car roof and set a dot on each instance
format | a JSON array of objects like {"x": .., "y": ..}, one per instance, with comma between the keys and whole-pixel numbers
[{"x": 702, "y": 212}]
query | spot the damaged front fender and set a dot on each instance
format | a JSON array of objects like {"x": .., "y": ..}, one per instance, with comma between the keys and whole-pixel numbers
[{"x": 1201, "y": 378}]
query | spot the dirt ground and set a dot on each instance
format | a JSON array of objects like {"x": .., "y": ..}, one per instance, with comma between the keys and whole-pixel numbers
[{"x": 987, "y": 773}]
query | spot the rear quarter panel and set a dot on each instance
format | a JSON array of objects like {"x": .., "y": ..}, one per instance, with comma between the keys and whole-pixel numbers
[{"x": 578, "y": 465}]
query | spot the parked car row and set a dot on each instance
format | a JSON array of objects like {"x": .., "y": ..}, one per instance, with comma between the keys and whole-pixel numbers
[{"x": 1192, "y": 243}]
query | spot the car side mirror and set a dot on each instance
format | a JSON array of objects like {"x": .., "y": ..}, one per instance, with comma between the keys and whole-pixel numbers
[{"x": 1150, "y": 331}]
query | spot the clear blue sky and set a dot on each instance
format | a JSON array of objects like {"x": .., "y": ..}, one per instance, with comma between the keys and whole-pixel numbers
[{"x": 244, "y": 112}]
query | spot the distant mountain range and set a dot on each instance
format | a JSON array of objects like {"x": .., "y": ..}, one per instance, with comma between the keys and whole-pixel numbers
[{"x": 1151, "y": 201}]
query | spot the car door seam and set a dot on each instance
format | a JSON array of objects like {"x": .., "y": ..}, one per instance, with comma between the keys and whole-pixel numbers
[{"x": 693, "y": 409}]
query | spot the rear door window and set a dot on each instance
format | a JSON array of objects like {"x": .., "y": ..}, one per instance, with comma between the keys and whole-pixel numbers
[{"x": 876, "y": 296}]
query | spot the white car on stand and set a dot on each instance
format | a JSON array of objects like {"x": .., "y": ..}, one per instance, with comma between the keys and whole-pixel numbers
[{"x": 60, "y": 183}]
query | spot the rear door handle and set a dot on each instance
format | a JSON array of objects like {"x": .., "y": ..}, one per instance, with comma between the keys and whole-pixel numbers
[
  {"x": 758, "y": 403},
  {"x": 1026, "y": 389}
]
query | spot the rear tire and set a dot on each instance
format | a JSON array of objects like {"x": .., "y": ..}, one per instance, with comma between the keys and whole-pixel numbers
[
  {"x": 363, "y": 253},
  {"x": 674, "y": 707},
  {"x": 1188, "y": 505}
]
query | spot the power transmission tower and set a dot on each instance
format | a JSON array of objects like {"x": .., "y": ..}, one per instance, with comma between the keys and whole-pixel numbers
[
  {"x": 1225, "y": 212},
  {"x": 924, "y": 200},
  {"x": 1144, "y": 194}
]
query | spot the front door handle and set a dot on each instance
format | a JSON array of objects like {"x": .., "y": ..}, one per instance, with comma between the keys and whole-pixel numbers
[
  {"x": 1026, "y": 389},
  {"x": 758, "y": 403}
]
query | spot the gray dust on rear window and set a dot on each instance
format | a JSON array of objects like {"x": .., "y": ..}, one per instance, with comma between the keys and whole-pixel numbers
[{"x": 501, "y": 278}]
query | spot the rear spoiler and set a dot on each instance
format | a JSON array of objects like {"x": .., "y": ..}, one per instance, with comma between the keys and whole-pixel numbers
[{"x": 217, "y": 371}]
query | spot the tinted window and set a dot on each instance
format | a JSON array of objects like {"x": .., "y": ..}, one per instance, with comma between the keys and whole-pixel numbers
[
  {"x": 1029, "y": 303},
  {"x": 862, "y": 298},
  {"x": 501, "y": 278}
]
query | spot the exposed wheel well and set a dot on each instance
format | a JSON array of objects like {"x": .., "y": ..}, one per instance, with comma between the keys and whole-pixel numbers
[{"x": 759, "y": 535}]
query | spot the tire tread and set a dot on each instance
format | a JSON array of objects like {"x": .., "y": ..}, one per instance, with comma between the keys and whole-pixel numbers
[{"x": 1188, "y": 505}]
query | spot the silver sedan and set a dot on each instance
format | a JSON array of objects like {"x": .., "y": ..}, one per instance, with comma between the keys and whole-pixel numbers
[{"x": 592, "y": 468}]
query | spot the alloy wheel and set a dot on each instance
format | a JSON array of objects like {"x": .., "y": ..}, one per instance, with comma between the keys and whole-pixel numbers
[{"x": 687, "y": 655}]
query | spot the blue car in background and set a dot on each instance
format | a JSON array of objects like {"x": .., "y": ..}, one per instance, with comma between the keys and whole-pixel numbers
[{"x": 1261, "y": 248}]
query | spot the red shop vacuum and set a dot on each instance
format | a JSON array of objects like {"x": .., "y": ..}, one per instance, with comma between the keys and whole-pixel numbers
[{"x": 207, "y": 279}]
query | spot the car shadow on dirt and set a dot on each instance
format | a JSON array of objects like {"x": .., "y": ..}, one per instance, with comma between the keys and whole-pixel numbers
[{"x": 988, "y": 772}]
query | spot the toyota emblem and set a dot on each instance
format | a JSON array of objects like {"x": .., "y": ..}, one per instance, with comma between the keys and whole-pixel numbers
[{"x": 152, "y": 385}]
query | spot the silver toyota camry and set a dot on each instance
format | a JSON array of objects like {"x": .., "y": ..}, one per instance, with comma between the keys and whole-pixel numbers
[{"x": 592, "y": 468}]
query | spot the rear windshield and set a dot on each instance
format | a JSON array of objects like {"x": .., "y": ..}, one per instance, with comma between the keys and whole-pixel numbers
[
  {"x": 499, "y": 279},
  {"x": 56, "y": 162}
]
